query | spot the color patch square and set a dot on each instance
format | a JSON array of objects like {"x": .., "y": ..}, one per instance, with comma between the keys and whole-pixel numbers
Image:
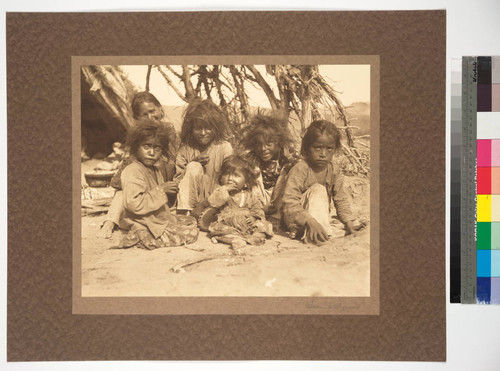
[
  {"x": 484, "y": 236},
  {"x": 484, "y": 152},
  {"x": 495, "y": 180},
  {"x": 495, "y": 290},
  {"x": 495, "y": 98},
  {"x": 484, "y": 180},
  {"x": 495, "y": 70},
  {"x": 495, "y": 123},
  {"x": 495, "y": 236},
  {"x": 484, "y": 70},
  {"x": 495, "y": 208},
  {"x": 483, "y": 263},
  {"x": 483, "y": 98},
  {"x": 484, "y": 125},
  {"x": 495, "y": 263},
  {"x": 483, "y": 295},
  {"x": 484, "y": 208},
  {"x": 495, "y": 152}
]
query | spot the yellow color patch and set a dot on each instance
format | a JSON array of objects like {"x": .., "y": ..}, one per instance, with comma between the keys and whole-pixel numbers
[{"x": 484, "y": 208}]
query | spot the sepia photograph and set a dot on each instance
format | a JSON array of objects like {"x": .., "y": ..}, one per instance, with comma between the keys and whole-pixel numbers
[{"x": 225, "y": 180}]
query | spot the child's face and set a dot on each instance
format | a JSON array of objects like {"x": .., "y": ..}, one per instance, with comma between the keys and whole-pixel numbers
[
  {"x": 202, "y": 133},
  {"x": 149, "y": 151},
  {"x": 148, "y": 110},
  {"x": 321, "y": 152},
  {"x": 236, "y": 178},
  {"x": 266, "y": 150}
]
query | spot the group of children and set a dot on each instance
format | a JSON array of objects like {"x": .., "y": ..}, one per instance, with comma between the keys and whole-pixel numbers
[{"x": 168, "y": 189}]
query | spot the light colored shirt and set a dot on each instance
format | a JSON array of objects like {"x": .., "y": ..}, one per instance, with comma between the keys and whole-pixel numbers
[
  {"x": 300, "y": 178},
  {"x": 217, "y": 153},
  {"x": 145, "y": 203}
]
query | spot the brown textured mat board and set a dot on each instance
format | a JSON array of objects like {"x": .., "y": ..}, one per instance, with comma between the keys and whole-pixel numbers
[{"x": 405, "y": 320}]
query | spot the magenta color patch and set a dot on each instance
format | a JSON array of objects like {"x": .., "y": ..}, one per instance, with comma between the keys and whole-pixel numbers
[
  {"x": 484, "y": 152},
  {"x": 495, "y": 152}
]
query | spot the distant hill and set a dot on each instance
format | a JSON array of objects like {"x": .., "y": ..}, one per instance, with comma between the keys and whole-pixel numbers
[
  {"x": 174, "y": 115},
  {"x": 358, "y": 113}
]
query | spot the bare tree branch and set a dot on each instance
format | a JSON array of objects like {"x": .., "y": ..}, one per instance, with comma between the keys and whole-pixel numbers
[
  {"x": 186, "y": 80},
  {"x": 171, "y": 84},
  {"x": 148, "y": 76},
  {"x": 275, "y": 104},
  {"x": 340, "y": 108}
]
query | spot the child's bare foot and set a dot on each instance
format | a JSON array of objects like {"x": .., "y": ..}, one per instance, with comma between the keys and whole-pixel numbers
[
  {"x": 106, "y": 230},
  {"x": 258, "y": 238},
  {"x": 238, "y": 243}
]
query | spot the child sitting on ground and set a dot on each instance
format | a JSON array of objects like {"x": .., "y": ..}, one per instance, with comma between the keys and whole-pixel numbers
[
  {"x": 147, "y": 214},
  {"x": 312, "y": 183},
  {"x": 264, "y": 141},
  {"x": 144, "y": 106},
  {"x": 241, "y": 217},
  {"x": 204, "y": 147}
]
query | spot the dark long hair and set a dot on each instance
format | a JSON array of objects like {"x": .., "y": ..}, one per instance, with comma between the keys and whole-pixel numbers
[
  {"x": 317, "y": 129},
  {"x": 267, "y": 127},
  {"x": 207, "y": 112},
  {"x": 234, "y": 163},
  {"x": 144, "y": 129},
  {"x": 144, "y": 97}
]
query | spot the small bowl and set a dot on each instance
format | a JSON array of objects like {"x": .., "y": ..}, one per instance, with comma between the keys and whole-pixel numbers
[{"x": 99, "y": 178}]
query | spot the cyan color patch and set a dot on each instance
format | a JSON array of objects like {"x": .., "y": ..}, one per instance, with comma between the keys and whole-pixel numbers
[
  {"x": 483, "y": 263},
  {"x": 495, "y": 263}
]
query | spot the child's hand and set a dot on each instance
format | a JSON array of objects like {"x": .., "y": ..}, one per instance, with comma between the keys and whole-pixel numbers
[
  {"x": 170, "y": 187},
  {"x": 231, "y": 188},
  {"x": 315, "y": 232},
  {"x": 202, "y": 159},
  {"x": 250, "y": 220}
]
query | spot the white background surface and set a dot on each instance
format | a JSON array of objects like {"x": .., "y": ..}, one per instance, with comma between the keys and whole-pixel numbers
[{"x": 473, "y": 331}]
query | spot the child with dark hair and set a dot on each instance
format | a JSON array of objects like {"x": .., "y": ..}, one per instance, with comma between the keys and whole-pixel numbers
[
  {"x": 147, "y": 214},
  {"x": 264, "y": 141},
  {"x": 204, "y": 147},
  {"x": 312, "y": 183},
  {"x": 145, "y": 106},
  {"x": 240, "y": 214}
]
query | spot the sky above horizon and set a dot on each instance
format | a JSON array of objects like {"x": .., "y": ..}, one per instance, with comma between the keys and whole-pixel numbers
[{"x": 351, "y": 82}]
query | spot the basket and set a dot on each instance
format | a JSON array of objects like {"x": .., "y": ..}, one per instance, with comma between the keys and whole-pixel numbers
[{"x": 99, "y": 178}]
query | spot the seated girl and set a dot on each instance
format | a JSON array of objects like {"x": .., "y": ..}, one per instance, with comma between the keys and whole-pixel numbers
[
  {"x": 312, "y": 183},
  {"x": 203, "y": 150},
  {"x": 147, "y": 214},
  {"x": 240, "y": 213},
  {"x": 264, "y": 141},
  {"x": 144, "y": 106}
]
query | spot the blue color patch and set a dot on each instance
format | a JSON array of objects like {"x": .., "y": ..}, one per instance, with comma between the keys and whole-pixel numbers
[{"x": 483, "y": 290}]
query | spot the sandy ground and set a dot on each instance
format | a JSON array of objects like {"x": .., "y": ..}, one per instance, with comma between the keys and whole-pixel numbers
[{"x": 281, "y": 267}]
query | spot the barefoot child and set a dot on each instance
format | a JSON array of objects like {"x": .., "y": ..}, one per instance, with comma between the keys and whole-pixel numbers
[
  {"x": 147, "y": 214},
  {"x": 144, "y": 106},
  {"x": 203, "y": 150},
  {"x": 264, "y": 142},
  {"x": 241, "y": 216},
  {"x": 312, "y": 183}
]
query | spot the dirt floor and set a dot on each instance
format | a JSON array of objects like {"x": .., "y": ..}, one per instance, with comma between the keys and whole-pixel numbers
[{"x": 281, "y": 267}]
